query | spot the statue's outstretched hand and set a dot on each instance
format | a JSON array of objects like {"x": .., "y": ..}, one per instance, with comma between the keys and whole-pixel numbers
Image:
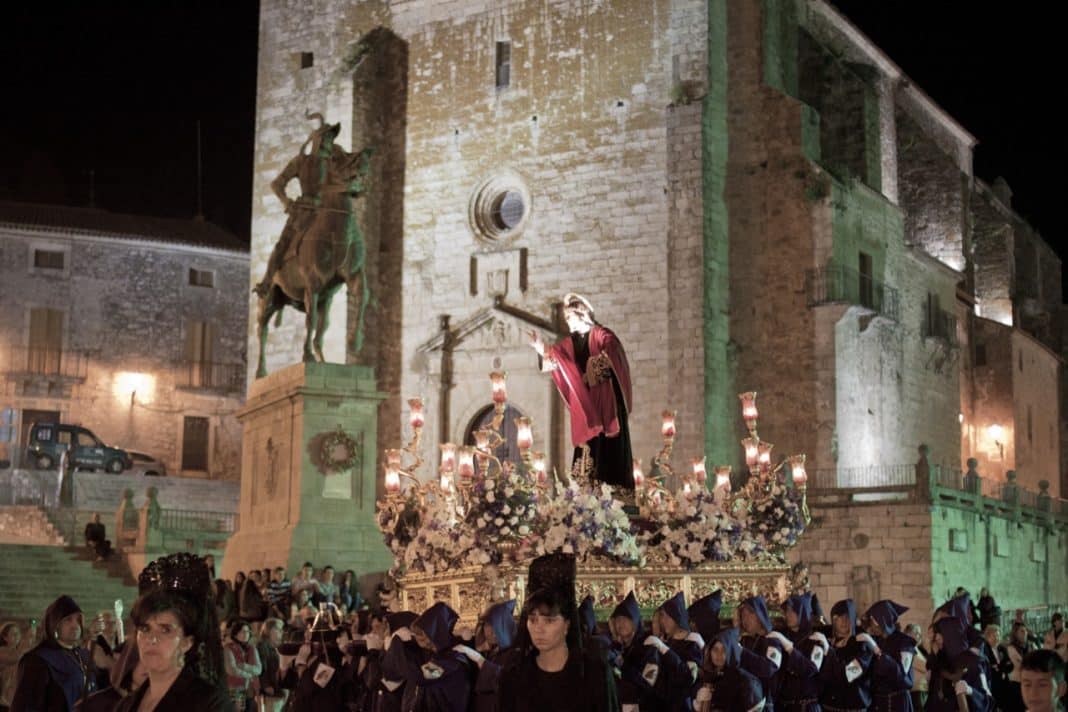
[{"x": 536, "y": 343}]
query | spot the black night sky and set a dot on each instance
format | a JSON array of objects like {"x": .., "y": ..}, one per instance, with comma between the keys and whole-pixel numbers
[{"x": 114, "y": 90}]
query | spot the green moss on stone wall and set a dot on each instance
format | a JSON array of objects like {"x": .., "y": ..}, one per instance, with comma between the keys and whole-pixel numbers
[{"x": 863, "y": 221}]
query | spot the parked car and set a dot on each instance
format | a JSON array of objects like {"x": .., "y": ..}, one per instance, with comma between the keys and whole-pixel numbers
[
  {"x": 146, "y": 465},
  {"x": 87, "y": 452}
]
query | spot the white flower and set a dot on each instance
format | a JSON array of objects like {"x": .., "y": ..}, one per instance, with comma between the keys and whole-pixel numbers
[
  {"x": 524, "y": 530},
  {"x": 513, "y": 521},
  {"x": 499, "y": 521},
  {"x": 509, "y": 491},
  {"x": 506, "y": 510},
  {"x": 490, "y": 484},
  {"x": 490, "y": 497},
  {"x": 506, "y": 531}
]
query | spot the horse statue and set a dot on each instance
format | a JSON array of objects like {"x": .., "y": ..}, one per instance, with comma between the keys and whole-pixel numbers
[{"x": 321, "y": 247}]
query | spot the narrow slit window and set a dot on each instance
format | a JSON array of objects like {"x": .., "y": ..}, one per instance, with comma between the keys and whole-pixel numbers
[{"x": 504, "y": 64}]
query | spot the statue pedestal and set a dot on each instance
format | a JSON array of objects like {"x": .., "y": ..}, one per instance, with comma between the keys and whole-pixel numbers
[{"x": 308, "y": 472}]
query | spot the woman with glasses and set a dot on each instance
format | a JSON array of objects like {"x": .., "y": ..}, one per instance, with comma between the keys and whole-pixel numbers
[
  {"x": 177, "y": 640},
  {"x": 554, "y": 672}
]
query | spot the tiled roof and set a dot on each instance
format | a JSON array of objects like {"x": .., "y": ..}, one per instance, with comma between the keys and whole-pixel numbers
[{"x": 63, "y": 219}]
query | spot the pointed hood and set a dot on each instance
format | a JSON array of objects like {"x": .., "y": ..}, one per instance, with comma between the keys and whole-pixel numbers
[
  {"x": 760, "y": 608},
  {"x": 975, "y": 640},
  {"x": 849, "y": 609},
  {"x": 802, "y": 606},
  {"x": 437, "y": 622},
  {"x": 885, "y": 614},
  {"x": 501, "y": 617},
  {"x": 729, "y": 638},
  {"x": 675, "y": 607},
  {"x": 954, "y": 637},
  {"x": 629, "y": 609},
  {"x": 959, "y": 608},
  {"x": 704, "y": 614},
  {"x": 587, "y": 617},
  {"x": 60, "y": 609}
]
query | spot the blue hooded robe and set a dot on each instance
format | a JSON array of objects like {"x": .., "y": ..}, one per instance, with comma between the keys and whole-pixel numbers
[
  {"x": 891, "y": 670},
  {"x": 762, "y": 656},
  {"x": 952, "y": 662},
  {"x": 845, "y": 671},
  {"x": 690, "y": 648},
  {"x": 501, "y": 617},
  {"x": 733, "y": 689},
  {"x": 647, "y": 678},
  {"x": 446, "y": 677},
  {"x": 799, "y": 682}
]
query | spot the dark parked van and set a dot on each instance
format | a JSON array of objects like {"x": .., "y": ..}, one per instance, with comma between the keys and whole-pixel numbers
[{"x": 49, "y": 440}]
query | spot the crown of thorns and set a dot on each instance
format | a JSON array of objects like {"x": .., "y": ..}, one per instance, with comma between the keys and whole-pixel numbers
[{"x": 183, "y": 573}]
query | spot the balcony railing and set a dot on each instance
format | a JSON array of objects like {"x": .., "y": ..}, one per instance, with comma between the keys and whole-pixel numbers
[
  {"x": 31, "y": 361},
  {"x": 940, "y": 324},
  {"x": 227, "y": 377},
  {"x": 192, "y": 520},
  {"x": 837, "y": 284},
  {"x": 869, "y": 476}
]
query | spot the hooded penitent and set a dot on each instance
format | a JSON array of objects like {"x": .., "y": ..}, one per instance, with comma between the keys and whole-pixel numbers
[
  {"x": 954, "y": 637},
  {"x": 760, "y": 608},
  {"x": 959, "y": 608},
  {"x": 675, "y": 608},
  {"x": 629, "y": 609},
  {"x": 849, "y": 609},
  {"x": 704, "y": 614},
  {"x": 400, "y": 619},
  {"x": 728, "y": 637},
  {"x": 437, "y": 623},
  {"x": 587, "y": 616},
  {"x": 802, "y": 606},
  {"x": 501, "y": 617},
  {"x": 885, "y": 614}
]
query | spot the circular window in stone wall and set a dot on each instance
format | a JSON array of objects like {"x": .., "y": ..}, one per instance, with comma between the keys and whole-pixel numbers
[{"x": 500, "y": 207}]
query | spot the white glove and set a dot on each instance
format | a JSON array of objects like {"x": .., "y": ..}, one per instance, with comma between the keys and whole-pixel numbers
[
  {"x": 402, "y": 633},
  {"x": 783, "y": 640},
  {"x": 704, "y": 694},
  {"x": 657, "y": 643},
  {"x": 821, "y": 639},
  {"x": 962, "y": 688},
  {"x": 471, "y": 654}
]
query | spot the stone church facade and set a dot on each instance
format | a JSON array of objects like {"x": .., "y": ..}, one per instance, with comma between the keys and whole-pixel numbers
[{"x": 752, "y": 196}]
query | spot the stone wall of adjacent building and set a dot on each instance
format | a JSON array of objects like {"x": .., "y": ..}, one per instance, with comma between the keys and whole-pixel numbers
[
  {"x": 1036, "y": 413},
  {"x": 869, "y": 552},
  {"x": 127, "y": 309}
]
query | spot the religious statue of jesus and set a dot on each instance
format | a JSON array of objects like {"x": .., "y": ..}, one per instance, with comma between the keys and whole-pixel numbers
[{"x": 589, "y": 368}]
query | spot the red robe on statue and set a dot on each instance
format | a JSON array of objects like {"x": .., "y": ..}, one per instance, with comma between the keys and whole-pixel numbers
[{"x": 594, "y": 409}]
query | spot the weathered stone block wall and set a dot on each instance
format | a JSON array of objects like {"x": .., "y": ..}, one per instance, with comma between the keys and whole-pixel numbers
[
  {"x": 773, "y": 230},
  {"x": 128, "y": 307},
  {"x": 1036, "y": 411},
  {"x": 1022, "y": 563},
  {"x": 840, "y": 93},
  {"x": 992, "y": 384},
  {"x": 993, "y": 257},
  {"x": 932, "y": 194},
  {"x": 869, "y": 552}
]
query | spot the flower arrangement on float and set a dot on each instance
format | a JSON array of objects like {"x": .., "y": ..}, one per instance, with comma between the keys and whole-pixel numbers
[{"x": 482, "y": 511}]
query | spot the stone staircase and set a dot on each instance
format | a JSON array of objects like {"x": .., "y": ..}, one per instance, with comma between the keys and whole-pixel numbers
[
  {"x": 103, "y": 492},
  {"x": 23, "y": 524},
  {"x": 32, "y": 576}
]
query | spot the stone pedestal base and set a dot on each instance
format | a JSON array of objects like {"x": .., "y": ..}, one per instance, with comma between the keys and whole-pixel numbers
[{"x": 299, "y": 503}]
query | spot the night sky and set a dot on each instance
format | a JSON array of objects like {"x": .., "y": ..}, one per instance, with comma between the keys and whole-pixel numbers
[{"x": 117, "y": 88}]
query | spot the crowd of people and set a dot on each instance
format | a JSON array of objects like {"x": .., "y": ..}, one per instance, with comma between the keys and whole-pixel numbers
[{"x": 312, "y": 645}]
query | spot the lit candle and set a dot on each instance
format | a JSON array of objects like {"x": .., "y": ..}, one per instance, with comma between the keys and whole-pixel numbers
[
  {"x": 723, "y": 476},
  {"x": 446, "y": 482},
  {"x": 482, "y": 438},
  {"x": 667, "y": 426},
  {"x": 764, "y": 454},
  {"x": 749, "y": 408},
  {"x": 639, "y": 476},
  {"x": 393, "y": 457},
  {"x": 500, "y": 393},
  {"x": 538, "y": 460},
  {"x": 448, "y": 457},
  {"x": 466, "y": 464},
  {"x": 699, "y": 471},
  {"x": 415, "y": 415},
  {"x": 686, "y": 491},
  {"x": 392, "y": 479},
  {"x": 524, "y": 436},
  {"x": 751, "y": 451},
  {"x": 797, "y": 470}
]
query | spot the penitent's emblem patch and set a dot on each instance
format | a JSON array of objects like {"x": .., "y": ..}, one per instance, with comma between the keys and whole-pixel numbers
[
  {"x": 853, "y": 670},
  {"x": 906, "y": 660},
  {"x": 650, "y": 672},
  {"x": 774, "y": 655},
  {"x": 817, "y": 657},
  {"x": 432, "y": 671}
]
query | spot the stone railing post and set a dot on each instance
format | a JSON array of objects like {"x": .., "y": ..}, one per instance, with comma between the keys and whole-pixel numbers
[
  {"x": 125, "y": 517},
  {"x": 1010, "y": 492},
  {"x": 1043, "y": 501},
  {"x": 973, "y": 483},
  {"x": 149, "y": 535},
  {"x": 923, "y": 473}
]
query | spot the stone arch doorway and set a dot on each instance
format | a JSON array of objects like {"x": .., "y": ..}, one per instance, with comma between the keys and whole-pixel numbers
[{"x": 507, "y": 450}]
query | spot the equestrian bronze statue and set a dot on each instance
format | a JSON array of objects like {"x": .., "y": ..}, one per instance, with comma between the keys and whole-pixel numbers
[{"x": 321, "y": 247}]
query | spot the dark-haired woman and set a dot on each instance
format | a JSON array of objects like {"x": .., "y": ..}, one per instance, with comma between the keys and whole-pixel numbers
[
  {"x": 179, "y": 654},
  {"x": 242, "y": 664},
  {"x": 554, "y": 672}
]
